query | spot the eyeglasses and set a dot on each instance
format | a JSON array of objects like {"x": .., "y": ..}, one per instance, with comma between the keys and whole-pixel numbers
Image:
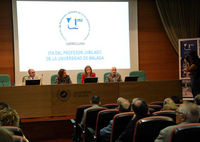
[{"x": 177, "y": 112}]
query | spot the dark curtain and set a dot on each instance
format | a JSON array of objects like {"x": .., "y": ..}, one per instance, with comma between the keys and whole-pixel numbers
[{"x": 180, "y": 18}]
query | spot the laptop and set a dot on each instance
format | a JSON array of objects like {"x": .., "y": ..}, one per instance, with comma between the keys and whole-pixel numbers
[
  {"x": 33, "y": 82},
  {"x": 91, "y": 80},
  {"x": 131, "y": 78}
]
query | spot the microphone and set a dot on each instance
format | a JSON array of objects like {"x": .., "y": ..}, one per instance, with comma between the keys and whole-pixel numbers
[{"x": 42, "y": 78}]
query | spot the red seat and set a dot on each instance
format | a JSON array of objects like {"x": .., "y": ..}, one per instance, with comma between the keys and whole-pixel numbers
[
  {"x": 168, "y": 113},
  {"x": 185, "y": 133},
  {"x": 156, "y": 107},
  {"x": 111, "y": 105}
]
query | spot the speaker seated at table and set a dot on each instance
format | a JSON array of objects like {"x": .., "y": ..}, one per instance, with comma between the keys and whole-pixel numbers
[{"x": 88, "y": 73}]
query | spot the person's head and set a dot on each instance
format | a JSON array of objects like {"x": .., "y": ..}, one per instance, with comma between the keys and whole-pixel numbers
[
  {"x": 168, "y": 104},
  {"x": 119, "y": 100},
  {"x": 197, "y": 99},
  {"x": 4, "y": 105},
  {"x": 113, "y": 70},
  {"x": 125, "y": 106},
  {"x": 9, "y": 117},
  {"x": 5, "y": 135},
  {"x": 187, "y": 112},
  {"x": 95, "y": 100},
  {"x": 31, "y": 73},
  {"x": 140, "y": 107},
  {"x": 88, "y": 70},
  {"x": 192, "y": 54},
  {"x": 175, "y": 99},
  {"x": 62, "y": 73}
]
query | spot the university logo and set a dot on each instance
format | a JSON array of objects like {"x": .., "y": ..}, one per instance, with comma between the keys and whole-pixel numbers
[
  {"x": 63, "y": 95},
  {"x": 74, "y": 27}
]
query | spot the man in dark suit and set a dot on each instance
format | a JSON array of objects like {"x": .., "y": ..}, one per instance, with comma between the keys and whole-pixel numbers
[{"x": 186, "y": 113}]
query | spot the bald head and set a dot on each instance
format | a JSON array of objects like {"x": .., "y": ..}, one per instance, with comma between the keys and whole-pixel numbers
[
  {"x": 125, "y": 106},
  {"x": 119, "y": 100},
  {"x": 140, "y": 107},
  {"x": 31, "y": 73}
]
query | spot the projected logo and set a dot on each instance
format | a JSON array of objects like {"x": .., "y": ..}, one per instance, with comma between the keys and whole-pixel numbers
[{"x": 74, "y": 26}]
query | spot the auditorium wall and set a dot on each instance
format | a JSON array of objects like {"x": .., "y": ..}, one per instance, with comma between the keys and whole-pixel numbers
[{"x": 156, "y": 55}]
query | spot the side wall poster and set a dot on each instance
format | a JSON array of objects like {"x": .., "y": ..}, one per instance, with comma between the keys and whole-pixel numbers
[{"x": 185, "y": 45}]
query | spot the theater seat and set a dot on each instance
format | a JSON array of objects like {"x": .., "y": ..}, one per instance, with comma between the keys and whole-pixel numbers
[
  {"x": 156, "y": 103},
  {"x": 18, "y": 139},
  {"x": 103, "y": 120},
  {"x": 79, "y": 115},
  {"x": 185, "y": 133},
  {"x": 141, "y": 75},
  {"x": 79, "y": 77},
  {"x": 15, "y": 130},
  {"x": 110, "y": 106},
  {"x": 168, "y": 113},
  {"x": 147, "y": 129},
  {"x": 53, "y": 78},
  {"x": 120, "y": 121},
  {"x": 156, "y": 107}
]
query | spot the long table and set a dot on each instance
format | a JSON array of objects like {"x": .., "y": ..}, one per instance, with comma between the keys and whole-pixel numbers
[{"x": 62, "y": 100}]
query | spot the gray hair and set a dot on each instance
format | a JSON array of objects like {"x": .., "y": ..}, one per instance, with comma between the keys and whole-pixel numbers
[
  {"x": 134, "y": 100},
  {"x": 191, "y": 112}
]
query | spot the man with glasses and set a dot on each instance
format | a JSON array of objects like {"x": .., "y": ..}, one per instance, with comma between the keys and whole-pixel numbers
[
  {"x": 186, "y": 113},
  {"x": 31, "y": 73}
]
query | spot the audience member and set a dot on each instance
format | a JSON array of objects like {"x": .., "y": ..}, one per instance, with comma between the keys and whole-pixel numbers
[
  {"x": 186, "y": 113},
  {"x": 114, "y": 76},
  {"x": 4, "y": 105},
  {"x": 9, "y": 117},
  {"x": 62, "y": 77},
  {"x": 169, "y": 104},
  {"x": 5, "y": 135},
  {"x": 31, "y": 73},
  {"x": 140, "y": 109},
  {"x": 124, "y": 106},
  {"x": 95, "y": 101},
  {"x": 175, "y": 99},
  {"x": 197, "y": 101}
]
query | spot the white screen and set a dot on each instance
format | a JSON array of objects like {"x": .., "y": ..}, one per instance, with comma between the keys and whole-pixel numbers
[
  {"x": 50, "y": 35},
  {"x": 70, "y": 35}
]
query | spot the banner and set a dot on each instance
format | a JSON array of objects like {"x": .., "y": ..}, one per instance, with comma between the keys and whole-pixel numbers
[{"x": 186, "y": 45}]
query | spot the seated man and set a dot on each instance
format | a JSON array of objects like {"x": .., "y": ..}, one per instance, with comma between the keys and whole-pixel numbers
[
  {"x": 124, "y": 106},
  {"x": 140, "y": 109},
  {"x": 31, "y": 73},
  {"x": 113, "y": 77},
  {"x": 95, "y": 101},
  {"x": 186, "y": 113}
]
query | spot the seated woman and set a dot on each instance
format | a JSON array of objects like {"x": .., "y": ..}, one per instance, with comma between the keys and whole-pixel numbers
[
  {"x": 9, "y": 117},
  {"x": 88, "y": 73},
  {"x": 62, "y": 77},
  {"x": 169, "y": 104}
]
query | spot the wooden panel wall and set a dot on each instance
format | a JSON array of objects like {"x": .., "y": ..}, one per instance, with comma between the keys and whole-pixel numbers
[
  {"x": 156, "y": 55},
  {"x": 6, "y": 39}
]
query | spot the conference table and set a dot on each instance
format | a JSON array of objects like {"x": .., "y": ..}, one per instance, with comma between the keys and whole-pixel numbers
[{"x": 62, "y": 100}]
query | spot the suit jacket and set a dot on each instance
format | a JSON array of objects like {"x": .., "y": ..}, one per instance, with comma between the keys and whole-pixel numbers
[
  {"x": 84, "y": 113},
  {"x": 29, "y": 78},
  {"x": 111, "y": 78},
  {"x": 83, "y": 76},
  {"x": 165, "y": 133},
  {"x": 106, "y": 131}
]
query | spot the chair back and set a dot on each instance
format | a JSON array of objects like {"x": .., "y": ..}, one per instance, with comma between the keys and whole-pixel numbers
[
  {"x": 157, "y": 103},
  {"x": 90, "y": 121},
  {"x": 120, "y": 121},
  {"x": 151, "y": 110},
  {"x": 103, "y": 120},
  {"x": 147, "y": 129},
  {"x": 79, "y": 112},
  {"x": 18, "y": 139},
  {"x": 15, "y": 130},
  {"x": 110, "y": 106},
  {"x": 53, "y": 78},
  {"x": 5, "y": 80},
  {"x": 79, "y": 77},
  {"x": 185, "y": 133},
  {"x": 24, "y": 77},
  {"x": 168, "y": 113},
  {"x": 156, "y": 107},
  {"x": 141, "y": 75}
]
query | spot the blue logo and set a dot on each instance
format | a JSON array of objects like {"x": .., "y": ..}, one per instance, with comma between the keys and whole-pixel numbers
[{"x": 74, "y": 26}]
